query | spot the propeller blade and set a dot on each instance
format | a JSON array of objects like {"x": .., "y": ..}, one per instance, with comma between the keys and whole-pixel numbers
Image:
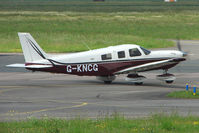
[{"x": 178, "y": 45}]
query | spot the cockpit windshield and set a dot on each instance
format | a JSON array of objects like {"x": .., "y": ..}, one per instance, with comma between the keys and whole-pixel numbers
[{"x": 146, "y": 52}]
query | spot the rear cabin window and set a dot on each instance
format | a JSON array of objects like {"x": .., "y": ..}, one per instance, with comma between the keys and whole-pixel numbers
[
  {"x": 121, "y": 54},
  {"x": 106, "y": 56},
  {"x": 134, "y": 52}
]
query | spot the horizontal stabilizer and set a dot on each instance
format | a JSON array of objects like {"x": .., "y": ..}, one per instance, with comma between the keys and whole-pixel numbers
[
  {"x": 29, "y": 66},
  {"x": 16, "y": 65},
  {"x": 39, "y": 66}
]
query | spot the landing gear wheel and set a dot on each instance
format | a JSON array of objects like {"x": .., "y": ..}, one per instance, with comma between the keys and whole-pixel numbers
[
  {"x": 169, "y": 81},
  {"x": 107, "y": 82},
  {"x": 138, "y": 83}
]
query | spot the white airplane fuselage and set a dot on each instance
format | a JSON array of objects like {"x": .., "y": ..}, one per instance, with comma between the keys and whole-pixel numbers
[{"x": 90, "y": 63}]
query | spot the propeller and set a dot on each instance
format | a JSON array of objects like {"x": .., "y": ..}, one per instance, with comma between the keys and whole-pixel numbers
[
  {"x": 180, "y": 48},
  {"x": 189, "y": 55},
  {"x": 179, "y": 45},
  {"x": 184, "y": 54}
]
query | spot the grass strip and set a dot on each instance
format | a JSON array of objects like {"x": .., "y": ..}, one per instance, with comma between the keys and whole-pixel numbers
[
  {"x": 66, "y": 25},
  {"x": 184, "y": 94},
  {"x": 113, "y": 124},
  {"x": 69, "y": 31}
]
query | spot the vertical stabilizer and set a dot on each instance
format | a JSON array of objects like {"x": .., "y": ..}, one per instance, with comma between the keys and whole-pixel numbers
[{"x": 31, "y": 50}]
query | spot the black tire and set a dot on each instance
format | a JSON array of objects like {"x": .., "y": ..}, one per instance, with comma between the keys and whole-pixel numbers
[
  {"x": 169, "y": 82},
  {"x": 138, "y": 83},
  {"x": 107, "y": 82}
]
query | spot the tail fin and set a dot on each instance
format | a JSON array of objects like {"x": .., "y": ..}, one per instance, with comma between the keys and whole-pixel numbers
[{"x": 31, "y": 50}]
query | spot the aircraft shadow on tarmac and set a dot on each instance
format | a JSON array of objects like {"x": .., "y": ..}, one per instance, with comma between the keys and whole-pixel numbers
[{"x": 160, "y": 85}]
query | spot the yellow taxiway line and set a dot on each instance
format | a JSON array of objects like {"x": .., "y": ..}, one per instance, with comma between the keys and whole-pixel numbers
[{"x": 12, "y": 113}]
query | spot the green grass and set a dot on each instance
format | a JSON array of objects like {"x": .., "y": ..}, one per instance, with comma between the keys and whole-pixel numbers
[
  {"x": 66, "y": 25},
  {"x": 184, "y": 94},
  {"x": 69, "y": 31},
  {"x": 114, "y": 124}
]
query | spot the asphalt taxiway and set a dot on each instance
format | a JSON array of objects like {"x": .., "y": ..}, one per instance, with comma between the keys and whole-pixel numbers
[{"x": 24, "y": 94}]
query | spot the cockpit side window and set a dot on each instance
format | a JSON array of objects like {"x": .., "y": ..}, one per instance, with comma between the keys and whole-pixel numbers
[
  {"x": 146, "y": 52},
  {"x": 106, "y": 56},
  {"x": 134, "y": 52}
]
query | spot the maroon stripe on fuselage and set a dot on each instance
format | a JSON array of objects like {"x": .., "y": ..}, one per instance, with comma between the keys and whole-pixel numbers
[{"x": 98, "y": 68}]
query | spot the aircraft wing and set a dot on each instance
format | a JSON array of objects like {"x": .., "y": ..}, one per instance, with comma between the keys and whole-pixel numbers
[
  {"x": 29, "y": 66},
  {"x": 148, "y": 66}
]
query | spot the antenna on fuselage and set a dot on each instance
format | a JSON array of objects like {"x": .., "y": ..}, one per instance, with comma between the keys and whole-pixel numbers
[{"x": 87, "y": 46}]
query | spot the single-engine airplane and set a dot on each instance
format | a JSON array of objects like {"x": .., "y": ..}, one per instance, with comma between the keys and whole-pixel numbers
[{"x": 104, "y": 63}]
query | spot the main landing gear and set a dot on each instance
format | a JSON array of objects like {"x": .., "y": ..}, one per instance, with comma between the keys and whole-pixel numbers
[
  {"x": 135, "y": 78},
  {"x": 139, "y": 79},
  {"x": 167, "y": 77},
  {"x": 106, "y": 79}
]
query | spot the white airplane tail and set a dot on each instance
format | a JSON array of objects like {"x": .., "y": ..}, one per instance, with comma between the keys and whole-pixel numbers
[{"x": 31, "y": 50}]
